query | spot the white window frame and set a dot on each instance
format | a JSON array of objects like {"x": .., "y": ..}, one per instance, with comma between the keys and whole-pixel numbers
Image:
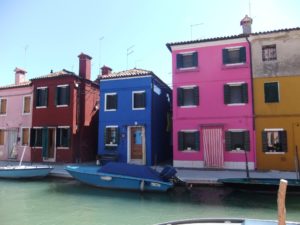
[
  {"x": 30, "y": 105},
  {"x": 132, "y": 96},
  {"x": 186, "y": 54},
  {"x": 105, "y": 101},
  {"x": 237, "y": 131},
  {"x": 62, "y": 85},
  {"x": 41, "y": 107},
  {"x": 22, "y": 128},
  {"x": 189, "y": 131},
  {"x": 63, "y": 127},
  {"x": 271, "y": 130},
  {"x": 236, "y": 84},
  {"x": 111, "y": 145},
  {"x": 233, "y": 48},
  {"x": 6, "y": 106},
  {"x": 188, "y": 87}
]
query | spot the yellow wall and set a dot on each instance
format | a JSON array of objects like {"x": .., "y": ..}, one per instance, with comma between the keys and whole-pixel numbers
[{"x": 285, "y": 114}]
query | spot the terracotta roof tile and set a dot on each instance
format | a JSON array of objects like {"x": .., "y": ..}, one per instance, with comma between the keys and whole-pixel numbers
[
  {"x": 56, "y": 74},
  {"x": 128, "y": 73},
  {"x": 23, "y": 84}
]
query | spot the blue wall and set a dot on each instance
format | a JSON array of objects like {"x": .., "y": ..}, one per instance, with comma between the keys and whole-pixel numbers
[{"x": 124, "y": 116}]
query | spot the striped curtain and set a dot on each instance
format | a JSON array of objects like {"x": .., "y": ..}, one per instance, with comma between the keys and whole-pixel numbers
[{"x": 213, "y": 147}]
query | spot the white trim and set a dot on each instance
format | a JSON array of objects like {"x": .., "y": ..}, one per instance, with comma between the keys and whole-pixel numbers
[
  {"x": 43, "y": 87},
  {"x": 63, "y": 85},
  {"x": 238, "y": 165},
  {"x": 237, "y": 130},
  {"x": 30, "y": 105},
  {"x": 105, "y": 101},
  {"x": 129, "y": 160},
  {"x": 273, "y": 129},
  {"x": 187, "y": 86},
  {"x": 188, "y": 106},
  {"x": 132, "y": 100},
  {"x": 187, "y": 68},
  {"x": 235, "y": 64},
  {"x": 188, "y": 164},
  {"x": 37, "y": 127},
  {"x": 232, "y": 48},
  {"x": 275, "y": 153},
  {"x": 41, "y": 107},
  {"x": 112, "y": 126},
  {"x": 65, "y": 127},
  {"x": 111, "y": 144},
  {"x": 236, "y": 104},
  {"x": 187, "y": 53},
  {"x": 236, "y": 83},
  {"x": 189, "y": 130},
  {"x": 61, "y": 106}
]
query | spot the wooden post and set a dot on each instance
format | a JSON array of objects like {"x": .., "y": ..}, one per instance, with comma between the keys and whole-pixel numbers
[{"x": 281, "y": 202}]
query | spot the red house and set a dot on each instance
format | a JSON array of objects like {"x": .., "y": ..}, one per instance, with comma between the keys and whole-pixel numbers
[{"x": 65, "y": 115}]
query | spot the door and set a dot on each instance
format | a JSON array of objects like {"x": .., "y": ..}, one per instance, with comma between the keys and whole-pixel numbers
[
  {"x": 213, "y": 147},
  {"x": 49, "y": 143},
  {"x": 137, "y": 145},
  {"x": 11, "y": 143}
]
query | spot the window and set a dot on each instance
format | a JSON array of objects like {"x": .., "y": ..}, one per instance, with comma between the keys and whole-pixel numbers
[
  {"x": 237, "y": 140},
  {"x": 111, "y": 136},
  {"x": 274, "y": 140},
  {"x": 111, "y": 102},
  {"x": 41, "y": 97},
  {"x": 271, "y": 92},
  {"x": 3, "y": 103},
  {"x": 26, "y": 104},
  {"x": 36, "y": 137},
  {"x": 63, "y": 137},
  {"x": 139, "y": 100},
  {"x": 188, "y": 140},
  {"x": 269, "y": 53},
  {"x": 234, "y": 55},
  {"x": 188, "y": 96},
  {"x": 235, "y": 93},
  {"x": 1, "y": 137},
  {"x": 25, "y": 136},
  {"x": 187, "y": 60},
  {"x": 62, "y": 97}
]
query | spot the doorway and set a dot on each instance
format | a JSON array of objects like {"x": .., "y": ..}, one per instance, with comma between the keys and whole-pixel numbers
[
  {"x": 136, "y": 145},
  {"x": 49, "y": 144},
  {"x": 11, "y": 143}
]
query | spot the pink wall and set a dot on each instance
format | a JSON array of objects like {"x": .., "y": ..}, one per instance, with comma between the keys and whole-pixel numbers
[
  {"x": 210, "y": 77},
  {"x": 15, "y": 118}
]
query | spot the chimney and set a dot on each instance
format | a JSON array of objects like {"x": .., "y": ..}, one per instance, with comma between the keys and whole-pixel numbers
[
  {"x": 105, "y": 70},
  {"x": 85, "y": 66},
  {"x": 246, "y": 23},
  {"x": 19, "y": 75}
]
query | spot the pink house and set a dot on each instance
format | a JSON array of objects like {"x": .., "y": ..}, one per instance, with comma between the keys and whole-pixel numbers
[
  {"x": 15, "y": 118},
  {"x": 212, "y": 103}
]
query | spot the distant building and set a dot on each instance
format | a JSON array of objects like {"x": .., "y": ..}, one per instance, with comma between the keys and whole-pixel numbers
[
  {"x": 276, "y": 71},
  {"x": 135, "y": 115},
  {"x": 15, "y": 118},
  {"x": 65, "y": 115}
]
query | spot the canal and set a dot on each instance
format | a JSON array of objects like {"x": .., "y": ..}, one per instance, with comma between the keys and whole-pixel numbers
[{"x": 68, "y": 202}]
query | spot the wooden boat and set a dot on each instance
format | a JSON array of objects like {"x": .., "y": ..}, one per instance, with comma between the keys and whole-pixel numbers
[
  {"x": 261, "y": 184},
  {"x": 226, "y": 222},
  {"x": 117, "y": 175},
  {"x": 19, "y": 171}
]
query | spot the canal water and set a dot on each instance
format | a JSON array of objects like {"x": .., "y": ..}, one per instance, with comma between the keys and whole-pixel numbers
[{"x": 68, "y": 202}]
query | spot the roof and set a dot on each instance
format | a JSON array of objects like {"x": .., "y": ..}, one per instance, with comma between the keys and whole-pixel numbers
[
  {"x": 169, "y": 45},
  {"x": 55, "y": 74},
  {"x": 23, "y": 84},
  {"x": 128, "y": 73}
]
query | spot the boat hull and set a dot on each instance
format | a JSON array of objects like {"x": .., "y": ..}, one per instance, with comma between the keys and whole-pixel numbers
[
  {"x": 19, "y": 172},
  {"x": 91, "y": 176}
]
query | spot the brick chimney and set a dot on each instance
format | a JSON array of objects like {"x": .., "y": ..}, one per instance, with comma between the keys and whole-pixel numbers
[
  {"x": 246, "y": 23},
  {"x": 105, "y": 70},
  {"x": 19, "y": 75},
  {"x": 85, "y": 66}
]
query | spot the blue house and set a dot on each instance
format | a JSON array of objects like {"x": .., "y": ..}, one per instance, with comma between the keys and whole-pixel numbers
[{"x": 135, "y": 117}]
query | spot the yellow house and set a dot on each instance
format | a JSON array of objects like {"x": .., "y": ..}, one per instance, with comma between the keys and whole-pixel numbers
[{"x": 276, "y": 90}]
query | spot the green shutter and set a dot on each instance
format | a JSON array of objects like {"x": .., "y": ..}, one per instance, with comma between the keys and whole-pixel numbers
[
  {"x": 246, "y": 140},
  {"x": 226, "y": 94},
  {"x": 197, "y": 140},
  {"x": 32, "y": 137},
  {"x": 225, "y": 56},
  {"x": 57, "y": 96},
  {"x": 196, "y": 95},
  {"x": 243, "y": 54},
  {"x": 283, "y": 140},
  {"x": 179, "y": 61},
  {"x": 195, "y": 59},
  {"x": 180, "y": 140},
  {"x": 68, "y": 95},
  {"x": 45, "y": 141},
  {"x": 264, "y": 141},
  {"x": 245, "y": 93},
  {"x": 46, "y": 96},
  {"x": 228, "y": 141},
  {"x": 179, "y": 96}
]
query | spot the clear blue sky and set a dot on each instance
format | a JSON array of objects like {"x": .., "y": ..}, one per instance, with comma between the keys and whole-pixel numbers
[{"x": 53, "y": 33}]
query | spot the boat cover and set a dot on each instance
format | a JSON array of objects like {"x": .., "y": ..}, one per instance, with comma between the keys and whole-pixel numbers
[{"x": 130, "y": 170}]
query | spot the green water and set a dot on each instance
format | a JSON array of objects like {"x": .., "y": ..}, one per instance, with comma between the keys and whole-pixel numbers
[{"x": 67, "y": 202}]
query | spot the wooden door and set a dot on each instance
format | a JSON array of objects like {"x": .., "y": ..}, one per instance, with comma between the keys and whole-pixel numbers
[
  {"x": 49, "y": 144},
  {"x": 137, "y": 145}
]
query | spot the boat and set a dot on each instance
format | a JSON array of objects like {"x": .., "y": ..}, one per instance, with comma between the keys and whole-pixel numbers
[
  {"x": 226, "y": 222},
  {"x": 261, "y": 184},
  {"x": 22, "y": 171},
  {"x": 117, "y": 175}
]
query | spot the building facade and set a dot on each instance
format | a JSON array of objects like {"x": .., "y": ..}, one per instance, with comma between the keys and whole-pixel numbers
[
  {"x": 213, "y": 124},
  {"x": 15, "y": 118},
  {"x": 276, "y": 71},
  {"x": 134, "y": 117},
  {"x": 65, "y": 116}
]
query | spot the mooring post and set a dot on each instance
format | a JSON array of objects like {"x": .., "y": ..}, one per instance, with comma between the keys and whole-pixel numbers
[{"x": 281, "y": 202}]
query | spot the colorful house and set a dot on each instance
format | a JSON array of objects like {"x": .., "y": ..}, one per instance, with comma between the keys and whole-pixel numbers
[
  {"x": 65, "y": 115},
  {"x": 276, "y": 71},
  {"x": 213, "y": 124},
  {"x": 134, "y": 115},
  {"x": 15, "y": 118}
]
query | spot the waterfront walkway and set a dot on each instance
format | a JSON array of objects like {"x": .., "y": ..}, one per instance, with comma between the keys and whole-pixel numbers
[{"x": 190, "y": 176}]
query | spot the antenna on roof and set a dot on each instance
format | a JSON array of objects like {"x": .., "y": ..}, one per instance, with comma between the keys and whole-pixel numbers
[
  {"x": 192, "y": 26},
  {"x": 250, "y": 8},
  {"x": 129, "y": 52}
]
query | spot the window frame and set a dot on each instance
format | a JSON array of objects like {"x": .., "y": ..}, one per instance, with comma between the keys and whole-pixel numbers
[
  {"x": 181, "y": 144},
  {"x": 282, "y": 133},
  {"x": 4, "y": 113},
  {"x": 242, "y": 58},
  {"x": 180, "y": 60},
  {"x": 278, "y": 92},
  {"x": 180, "y": 96},
  {"x": 46, "y": 99},
  {"x": 2, "y": 138},
  {"x": 30, "y": 104},
  {"x": 268, "y": 48},
  {"x": 244, "y": 93},
  {"x": 228, "y": 140},
  {"x": 67, "y": 101},
  {"x": 132, "y": 100},
  {"x": 58, "y": 141},
  {"x": 22, "y": 136},
  {"x": 105, "y": 101},
  {"x": 111, "y": 144}
]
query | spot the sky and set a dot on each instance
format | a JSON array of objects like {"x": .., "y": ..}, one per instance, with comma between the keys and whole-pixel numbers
[{"x": 40, "y": 36}]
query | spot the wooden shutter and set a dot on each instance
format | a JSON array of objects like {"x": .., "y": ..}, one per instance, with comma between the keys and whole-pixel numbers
[
  {"x": 196, "y": 95},
  {"x": 26, "y": 104},
  {"x": 195, "y": 59},
  {"x": 228, "y": 141},
  {"x": 242, "y": 54},
  {"x": 226, "y": 94},
  {"x": 179, "y": 96},
  {"x": 180, "y": 140},
  {"x": 225, "y": 56},
  {"x": 25, "y": 136},
  {"x": 245, "y": 93},
  {"x": 1, "y": 137},
  {"x": 3, "y": 106},
  {"x": 179, "y": 61},
  {"x": 246, "y": 140},
  {"x": 264, "y": 141},
  {"x": 197, "y": 140},
  {"x": 283, "y": 140}
]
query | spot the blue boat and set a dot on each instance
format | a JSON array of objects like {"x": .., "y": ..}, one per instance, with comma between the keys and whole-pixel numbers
[
  {"x": 118, "y": 175},
  {"x": 19, "y": 171}
]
